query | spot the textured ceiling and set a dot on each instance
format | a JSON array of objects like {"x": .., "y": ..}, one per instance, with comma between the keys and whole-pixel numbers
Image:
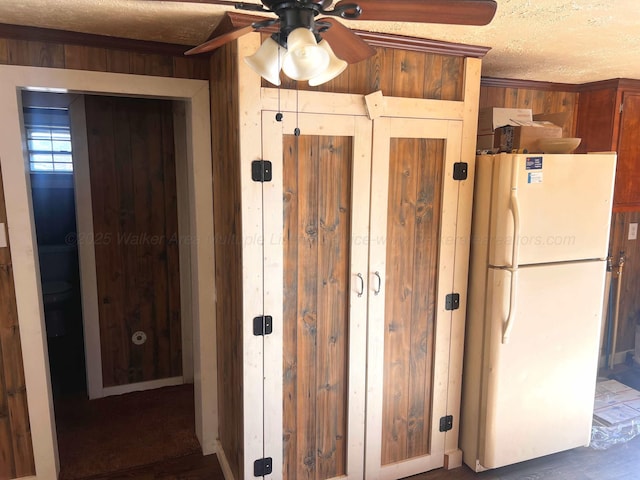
[{"x": 572, "y": 41}]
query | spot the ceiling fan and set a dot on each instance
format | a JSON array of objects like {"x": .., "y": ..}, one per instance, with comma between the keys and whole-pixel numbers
[{"x": 305, "y": 33}]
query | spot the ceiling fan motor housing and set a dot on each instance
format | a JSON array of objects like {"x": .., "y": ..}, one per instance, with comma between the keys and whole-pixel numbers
[
  {"x": 275, "y": 4},
  {"x": 294, "y": 15}
]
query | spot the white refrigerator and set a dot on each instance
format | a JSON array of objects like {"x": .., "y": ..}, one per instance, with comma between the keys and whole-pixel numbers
[{"x": 538, "y": 260}]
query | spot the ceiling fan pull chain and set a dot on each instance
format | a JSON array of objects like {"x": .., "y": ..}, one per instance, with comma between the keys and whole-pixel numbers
[
  {"x": 279, "y": 115},
  {"x": 296, "y": 131}
]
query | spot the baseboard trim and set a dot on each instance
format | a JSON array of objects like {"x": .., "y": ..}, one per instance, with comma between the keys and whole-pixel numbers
[
  {"x": 453, "y": 459},
  {"x": 224, "y": 463},
  {"x": 138, "y": 387}
]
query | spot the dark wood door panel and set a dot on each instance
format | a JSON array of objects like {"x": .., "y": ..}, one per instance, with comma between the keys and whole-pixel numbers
[
  {"x": 627, "y": 193},
  {"x": 317, "y": 219},
  {"x": 413, "y": 222},
  {"x": 132, "y": 171}
]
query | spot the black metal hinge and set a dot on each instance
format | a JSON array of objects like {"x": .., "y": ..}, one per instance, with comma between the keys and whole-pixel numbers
[
  {"x": 446, "y": 423},
  {"x": 261, "y": 171},
  {"x": 263, "y": 325},
  {"x": 262, "y": 467},
  {"x": 452, "y": 301},
  {"x": 460, "y": 170}
]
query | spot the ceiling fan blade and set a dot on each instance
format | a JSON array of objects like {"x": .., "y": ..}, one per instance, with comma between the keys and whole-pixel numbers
[
  {"x": 231, "y": 27},
  {"x": 217, "y": 42},
  {"x": 455, "y": 12},
  {"x": 229, "y": 3},
  {"x": 220, "y": 40},
  {"x": 345, "y": 44}
]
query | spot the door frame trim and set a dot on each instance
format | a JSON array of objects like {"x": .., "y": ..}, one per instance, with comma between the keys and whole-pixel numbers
[{"x": 195, "y": 94}]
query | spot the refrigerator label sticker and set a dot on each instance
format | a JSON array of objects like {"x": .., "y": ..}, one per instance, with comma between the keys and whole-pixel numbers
[
  {"x": 535, "y": 177},
  {"x": 534, "y": 163}
]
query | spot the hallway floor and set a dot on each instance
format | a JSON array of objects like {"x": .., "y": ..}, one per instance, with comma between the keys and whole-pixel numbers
[{"x": 123, "y": 432}]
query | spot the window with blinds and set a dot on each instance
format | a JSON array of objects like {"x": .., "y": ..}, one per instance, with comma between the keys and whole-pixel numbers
[{"x": 48, "y": 140}]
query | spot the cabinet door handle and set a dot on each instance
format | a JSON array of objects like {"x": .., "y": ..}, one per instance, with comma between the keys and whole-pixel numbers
[
  {"x": 361, "y": 292},
  {"x": 379, "y": 286}
]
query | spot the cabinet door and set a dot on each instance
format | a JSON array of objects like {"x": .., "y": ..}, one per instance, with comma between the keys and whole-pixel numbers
[
  {"x": 413, "y": 219},
  {"x": 627, "y": 195},
  {"x": 315, "y": 243}
]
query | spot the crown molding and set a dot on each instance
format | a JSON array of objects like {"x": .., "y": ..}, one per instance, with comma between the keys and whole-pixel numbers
[
  {"x": 613, "y": 83},
  {"x": 529, "y": 84},
  {"x": 402, "y": 42}
]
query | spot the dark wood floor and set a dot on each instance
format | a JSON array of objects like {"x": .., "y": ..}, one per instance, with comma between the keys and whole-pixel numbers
[{"x": 620, "y": 462}]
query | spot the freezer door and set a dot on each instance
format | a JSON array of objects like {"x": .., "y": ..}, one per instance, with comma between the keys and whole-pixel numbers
[
  {"x": 538, "y": 389},
  {"x": 561, "y": 204}
]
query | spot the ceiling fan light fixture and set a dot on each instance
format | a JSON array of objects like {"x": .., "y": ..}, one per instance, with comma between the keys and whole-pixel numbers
[
  {"x": 336, "y": 66},
  {"x": 304, "y": 58},
  {"x": 267, "y": 62}
]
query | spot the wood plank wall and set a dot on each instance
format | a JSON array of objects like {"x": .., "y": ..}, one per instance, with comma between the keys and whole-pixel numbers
[
  {"x": 16, "y": 450},
  {"x": 539, "y": 100},
  {"x": 398, "y": 73},
  {"x": 629, "y": 309},
  {"x": 16, "y": 455},
  {"x": 228, "y": 250},
  {"x": 135, "y": 221},
  {"x": 79, "y": 57}
]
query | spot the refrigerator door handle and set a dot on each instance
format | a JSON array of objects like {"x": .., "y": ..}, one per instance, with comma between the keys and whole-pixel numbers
[
  {"x": 515, "y": 211},
  {"x": 508, "y": 326},
  {"x": 515, "y": 254}
]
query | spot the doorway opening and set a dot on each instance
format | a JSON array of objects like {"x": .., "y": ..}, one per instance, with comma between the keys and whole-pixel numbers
[
  {"x": 48, "y": 142},
  {"x": 193, "y": 95},
  {"x": 122, "y": 245},
  {"x": 124, "y": 216}
]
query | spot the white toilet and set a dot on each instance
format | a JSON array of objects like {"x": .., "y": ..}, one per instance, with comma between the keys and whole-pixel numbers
[{"x": 58, "y": 269}]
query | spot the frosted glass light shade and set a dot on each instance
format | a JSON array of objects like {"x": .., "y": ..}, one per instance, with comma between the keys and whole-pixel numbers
[
  {"x": 304, "y": 58},
  {"x": 335, "y": 68},
  {"x": 266, "y": 62}
]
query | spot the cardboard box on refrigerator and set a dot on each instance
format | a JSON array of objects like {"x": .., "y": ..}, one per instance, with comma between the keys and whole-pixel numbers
[
  {"x": 491, "y": 118},
  {"x": 525, "y": 137}
]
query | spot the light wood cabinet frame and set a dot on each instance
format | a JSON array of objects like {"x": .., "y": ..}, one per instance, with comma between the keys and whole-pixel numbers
[{"x": 262, "y": 292}]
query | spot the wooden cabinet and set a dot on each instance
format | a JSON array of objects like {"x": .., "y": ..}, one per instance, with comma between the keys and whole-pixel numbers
[
  {"x": 364, "y": 254},
  {"x": 352, "y": 252},
  {"x": 609, "y": 120}
]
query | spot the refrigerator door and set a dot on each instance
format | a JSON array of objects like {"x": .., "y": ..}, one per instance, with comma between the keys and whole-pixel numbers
[
  {"x": 538, "y": 389},
  {"x": 562, "y": 204}
]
